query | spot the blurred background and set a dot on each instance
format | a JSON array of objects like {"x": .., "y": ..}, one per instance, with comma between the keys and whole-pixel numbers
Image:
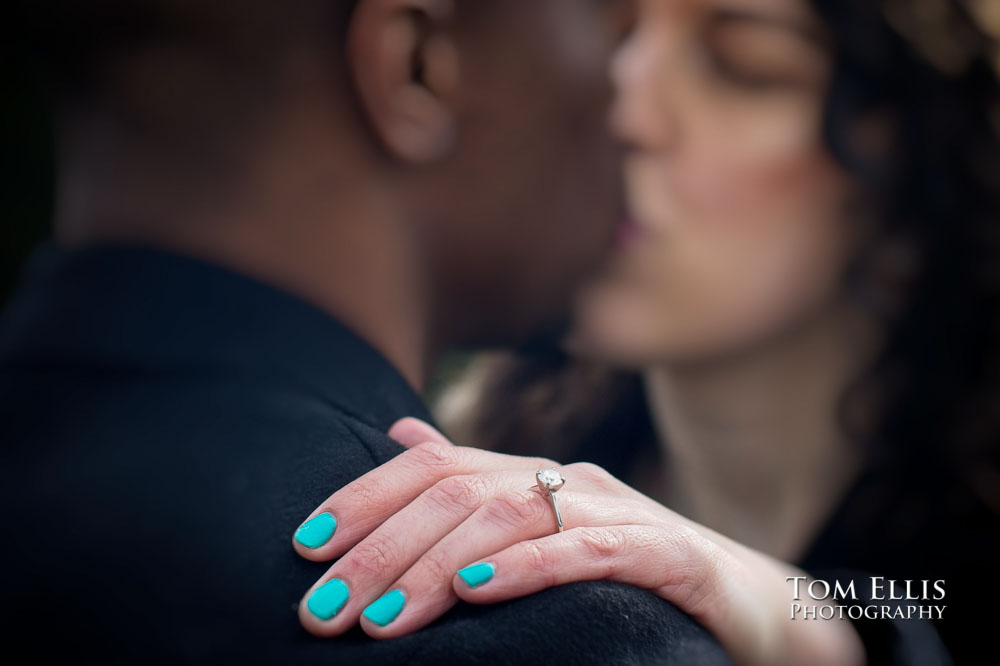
[{"x": 25, "y": 157}]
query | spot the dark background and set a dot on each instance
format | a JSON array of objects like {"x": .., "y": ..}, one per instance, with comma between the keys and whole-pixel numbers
[{"x": 25, "y": 155}]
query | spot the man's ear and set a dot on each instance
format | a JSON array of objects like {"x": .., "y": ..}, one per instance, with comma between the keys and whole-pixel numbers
[{"x": 404, "y": 62}]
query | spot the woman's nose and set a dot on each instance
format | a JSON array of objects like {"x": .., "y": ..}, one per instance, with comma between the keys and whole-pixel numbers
[{"x": 642, "y": 113}]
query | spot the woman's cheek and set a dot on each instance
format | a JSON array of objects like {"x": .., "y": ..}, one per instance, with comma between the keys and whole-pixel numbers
[
  {"x": 752, "y": 248},
  {"x": 739, "y": 174}
]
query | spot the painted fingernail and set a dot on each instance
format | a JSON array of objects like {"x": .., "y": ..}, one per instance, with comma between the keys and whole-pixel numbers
[
  {"x": 316, "y": 531},
  {"x": 477, "y": 574},
  {"x": 327, "y": 599},
  {"x": 386, "y": 608}
]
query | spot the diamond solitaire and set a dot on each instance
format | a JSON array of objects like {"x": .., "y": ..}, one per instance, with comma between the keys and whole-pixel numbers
[{"x": 549, "y": 480}]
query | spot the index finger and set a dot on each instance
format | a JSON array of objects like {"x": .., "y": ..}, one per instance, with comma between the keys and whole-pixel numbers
[{"x": 354, "y": 511}]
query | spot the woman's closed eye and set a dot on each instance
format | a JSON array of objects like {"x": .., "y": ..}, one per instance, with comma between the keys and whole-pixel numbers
[{"x": 759, "y": 53}]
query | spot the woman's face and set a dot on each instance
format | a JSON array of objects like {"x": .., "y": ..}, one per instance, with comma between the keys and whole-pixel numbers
[{"x": 738, "y": 229}]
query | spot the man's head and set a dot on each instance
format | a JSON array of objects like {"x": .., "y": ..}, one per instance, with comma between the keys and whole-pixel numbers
[{"x": 475, "y": 127}]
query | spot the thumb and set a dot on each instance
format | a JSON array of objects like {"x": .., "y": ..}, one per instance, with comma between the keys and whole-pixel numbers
[{"x": 410, "y": 431}]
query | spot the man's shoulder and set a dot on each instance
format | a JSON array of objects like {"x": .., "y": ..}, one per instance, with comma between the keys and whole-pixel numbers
[
  {"x": 159, "y": 509},
  {"x": 587, "y": 622}
]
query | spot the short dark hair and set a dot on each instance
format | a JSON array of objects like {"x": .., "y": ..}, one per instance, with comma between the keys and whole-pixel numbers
[
  {"x": 78, "y": 39},
  {"x": 184, "y": 68}
]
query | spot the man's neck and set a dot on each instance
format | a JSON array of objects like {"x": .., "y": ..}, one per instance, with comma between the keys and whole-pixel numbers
[{"x": 331, "y": 238}]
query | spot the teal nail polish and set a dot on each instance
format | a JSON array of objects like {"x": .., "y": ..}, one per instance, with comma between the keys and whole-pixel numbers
[
  {"x": 477, "y": 574},
  {"x": 316, "y": 531},
  {"x": 386, "y": 608},
  {"x": 327, "y": 600}
]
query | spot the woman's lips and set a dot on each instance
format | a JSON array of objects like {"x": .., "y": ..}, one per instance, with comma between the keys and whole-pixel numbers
[{"x": 629, "y": 232}]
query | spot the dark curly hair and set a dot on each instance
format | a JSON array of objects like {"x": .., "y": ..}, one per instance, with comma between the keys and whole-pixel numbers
[{"x": 932, "y": 68}]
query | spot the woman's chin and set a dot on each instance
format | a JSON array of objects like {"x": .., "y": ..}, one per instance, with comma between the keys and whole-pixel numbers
[
  {"x": 611, "y": 342},
  {"x": 627, "y": 339}
]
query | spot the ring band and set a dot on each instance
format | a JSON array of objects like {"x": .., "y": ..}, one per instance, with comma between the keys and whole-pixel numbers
[{"x": 549, "y": 481}]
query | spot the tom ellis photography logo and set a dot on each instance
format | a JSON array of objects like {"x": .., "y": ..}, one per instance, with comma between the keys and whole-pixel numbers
[{"x": 813, "y": 599}]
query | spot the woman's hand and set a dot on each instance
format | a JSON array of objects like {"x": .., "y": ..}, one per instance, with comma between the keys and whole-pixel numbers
[{"x": 405, "y": 530}]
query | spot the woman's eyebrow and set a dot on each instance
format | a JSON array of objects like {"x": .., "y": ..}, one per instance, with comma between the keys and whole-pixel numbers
[{"x": 810, "y": 33}]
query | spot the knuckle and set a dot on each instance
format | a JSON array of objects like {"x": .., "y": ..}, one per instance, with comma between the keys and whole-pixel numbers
[
  {"x": 588, "y": 471},
  {"x": 537, "y": 559},
  {"x": 432, "y": 455},
  {"x": 457, "y": 492},
  {"x": 372, "y": 558},
  {"x": 370, "y": 495},
  {"x": 603, "y": 544},
  {"x": 438, "y": 568},
  {"x": 592, "y": 474},
  {"x": 515, "y": 509}
]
